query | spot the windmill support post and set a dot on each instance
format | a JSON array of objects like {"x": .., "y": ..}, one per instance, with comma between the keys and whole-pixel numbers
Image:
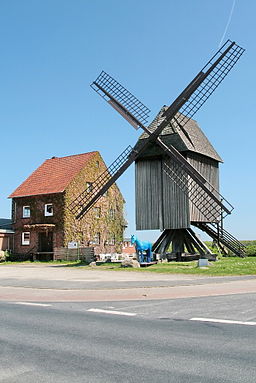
[{"x": 184, "y": 245}]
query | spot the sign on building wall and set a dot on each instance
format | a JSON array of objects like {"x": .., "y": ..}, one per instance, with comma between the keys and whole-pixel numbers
[{"x": 73, "y": 245}]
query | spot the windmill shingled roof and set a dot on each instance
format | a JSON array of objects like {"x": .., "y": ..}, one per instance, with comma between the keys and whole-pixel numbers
[
  {"x": 53, "y": 176},
  {"x": 178, "y": 139}
]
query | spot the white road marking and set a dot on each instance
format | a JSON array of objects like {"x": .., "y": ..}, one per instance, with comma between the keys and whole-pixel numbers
[
  {"x": 31, "y": 304},
  {"x": 223, "y": 321},
  {"x": 112, "y": 312}
]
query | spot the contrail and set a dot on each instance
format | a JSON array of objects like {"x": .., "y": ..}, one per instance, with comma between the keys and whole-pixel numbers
[{"x": 228, "y": 22}]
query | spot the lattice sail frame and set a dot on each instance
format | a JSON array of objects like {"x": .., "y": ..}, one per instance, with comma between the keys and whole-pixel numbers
[
  {"x": 136, "y": 113},
  {"x": 209, "y": 208},
  {"x": 211, "y": 82},
  {"x": 121, "y": 99}
]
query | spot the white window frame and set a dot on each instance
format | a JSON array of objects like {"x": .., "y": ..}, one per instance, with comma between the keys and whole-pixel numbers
[
  {"x": 112, "y": 213},
  {"x": 24, "y": 241},
  {"x": 26, "y": 211},
  {"x": 89, "y": 187},
  {"x": 96, "y": 239},
  {"x": 97, "y": 212},
  {"x": 112, "y": 239},
  {"x": 46, "y": 213}
]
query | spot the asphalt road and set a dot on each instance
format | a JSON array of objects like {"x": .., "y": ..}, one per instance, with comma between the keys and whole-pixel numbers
[
  {"x": 61, "y": 324},
  {"x": 155, "y": 342}
]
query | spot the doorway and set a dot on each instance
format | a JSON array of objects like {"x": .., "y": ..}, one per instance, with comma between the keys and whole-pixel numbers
[{"x": 45, "y": 242}]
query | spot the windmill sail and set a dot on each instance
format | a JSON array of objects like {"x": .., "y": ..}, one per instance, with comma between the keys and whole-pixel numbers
[
  {"x": 214, "y": 73},
  {"x": 121, "y": 99},
  {"x": 178, "y": 114},
  {"x": 202, "y": 86}
]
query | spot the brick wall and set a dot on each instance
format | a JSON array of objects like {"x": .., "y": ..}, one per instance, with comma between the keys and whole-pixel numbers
[{"x": 37, "y": 217}]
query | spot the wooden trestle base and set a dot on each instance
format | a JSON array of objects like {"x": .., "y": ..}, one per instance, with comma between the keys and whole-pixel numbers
[{"x": 181, "y": 245}]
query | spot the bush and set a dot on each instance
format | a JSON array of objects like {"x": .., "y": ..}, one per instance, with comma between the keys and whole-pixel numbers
[
  {"x": 250, "y": 250},
  {"x": 18, "y": 257}
]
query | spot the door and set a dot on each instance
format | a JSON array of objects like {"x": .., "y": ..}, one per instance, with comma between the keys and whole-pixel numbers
[{"x": 45, "y": 242}]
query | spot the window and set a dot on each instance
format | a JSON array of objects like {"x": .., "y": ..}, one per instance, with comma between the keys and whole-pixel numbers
[
  {"x": 97, "y": 164},
  {"x": 111, "y": 213},
  {"x": 97, "y": 212},
  {"x": 89, "y": 186},
  {"x": 112, "y": 239},
  {"x": 48, "y": 209},
  {"x": 26, "y": 211},
  {"x": 96, "y": 239},
  {"x": 25, "y": 238}
]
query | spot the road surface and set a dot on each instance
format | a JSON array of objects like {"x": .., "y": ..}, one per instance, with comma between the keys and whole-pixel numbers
[{"x": 62, "y": 325}]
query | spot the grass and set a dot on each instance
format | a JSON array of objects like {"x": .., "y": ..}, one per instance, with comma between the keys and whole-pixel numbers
[{"x": 222, "y": 267}]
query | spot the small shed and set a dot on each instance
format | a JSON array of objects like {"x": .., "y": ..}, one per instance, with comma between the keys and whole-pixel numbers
[{"x": 160, "y": 203}]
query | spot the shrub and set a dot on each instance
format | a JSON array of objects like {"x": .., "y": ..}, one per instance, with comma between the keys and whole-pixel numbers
[
  {"x": 250, "y": 250},
  {"x": 18, "y": 257}
]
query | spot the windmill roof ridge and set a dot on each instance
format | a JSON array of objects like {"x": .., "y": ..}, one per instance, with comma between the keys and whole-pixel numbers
[{"x": 72, "y": 155}]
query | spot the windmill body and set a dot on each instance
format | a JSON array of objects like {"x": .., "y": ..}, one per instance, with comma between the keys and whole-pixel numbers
[{"x": 160, "y": 203}]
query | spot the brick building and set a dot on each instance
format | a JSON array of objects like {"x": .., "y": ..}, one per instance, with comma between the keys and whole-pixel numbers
[{"x": 41, "y": 219}]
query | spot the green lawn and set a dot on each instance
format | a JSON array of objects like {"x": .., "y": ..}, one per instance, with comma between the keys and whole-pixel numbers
[{"x": 224, "y": 266}]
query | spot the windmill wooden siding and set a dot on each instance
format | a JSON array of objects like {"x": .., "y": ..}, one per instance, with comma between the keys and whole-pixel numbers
[
  {"x": 148, "y": 193},
  {"x": 160, "y": 203}
]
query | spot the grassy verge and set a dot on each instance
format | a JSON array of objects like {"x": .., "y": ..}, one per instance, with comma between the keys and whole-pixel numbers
[{"x": 224, "y": 266}]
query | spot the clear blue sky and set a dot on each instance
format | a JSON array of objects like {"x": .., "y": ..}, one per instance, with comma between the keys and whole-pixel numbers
[{"x": 51, "y": 50}]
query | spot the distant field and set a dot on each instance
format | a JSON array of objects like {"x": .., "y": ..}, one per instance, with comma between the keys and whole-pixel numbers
[
  {"x": 244, "y": 242},
  {"x": 250, "y": 249}
]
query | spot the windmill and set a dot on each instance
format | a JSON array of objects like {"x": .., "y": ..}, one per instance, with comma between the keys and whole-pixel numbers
[{"x": 175, "y": 177}]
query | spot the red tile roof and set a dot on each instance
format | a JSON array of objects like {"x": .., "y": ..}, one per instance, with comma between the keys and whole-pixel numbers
[
  {"x": 53, "y": 176},
  {"x": 129, "y": 250}
]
